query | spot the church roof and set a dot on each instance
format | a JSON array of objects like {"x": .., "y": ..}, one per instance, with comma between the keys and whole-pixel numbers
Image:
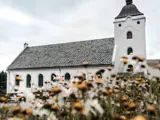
[
  {"x": 153, "y": 62},
  {"x": 129, "y": 10},
  {"x": 95, "y": 52}
]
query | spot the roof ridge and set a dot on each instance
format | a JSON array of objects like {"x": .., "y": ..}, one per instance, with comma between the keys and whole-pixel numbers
[{"x": 71, "y": 42}]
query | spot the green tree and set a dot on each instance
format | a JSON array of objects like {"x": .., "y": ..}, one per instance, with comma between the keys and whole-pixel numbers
[{"x": 3, "y": 82}]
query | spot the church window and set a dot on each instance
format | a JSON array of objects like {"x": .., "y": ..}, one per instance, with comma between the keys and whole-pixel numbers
[
  {"x": 53, "y": 77},
  {"x": 40, "y": 80},
  {"x": 120, "y": 25},
  {"x": 28, "y": 82},
  {"x": 138, "y": 22},
  {"x": 67, "y": 76},
  {"x": 17, "y": 80},
  {"x": 129, "y": 51},
  {"x": 100, "y": 73},
  {"x": 129, "y": 35}
]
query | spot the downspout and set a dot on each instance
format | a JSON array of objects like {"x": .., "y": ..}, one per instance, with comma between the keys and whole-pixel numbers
[
  {"x": 85, "y": 64},
  {"x": 87, "y": 77},
  {"x": 60, "y": 70},
  {"x": 8, "y": 81}
]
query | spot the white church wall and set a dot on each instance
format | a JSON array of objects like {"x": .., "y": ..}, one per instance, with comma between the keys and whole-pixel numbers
[
  {"x": 138, "y": 41},
  {"x": 46, "y": 74}
]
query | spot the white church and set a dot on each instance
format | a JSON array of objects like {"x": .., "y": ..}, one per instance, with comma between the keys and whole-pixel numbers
[{"x": 39, "y": 63}]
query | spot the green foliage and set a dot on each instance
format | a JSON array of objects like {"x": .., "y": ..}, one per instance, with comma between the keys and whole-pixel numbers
[{"x": 3, "y": 82}]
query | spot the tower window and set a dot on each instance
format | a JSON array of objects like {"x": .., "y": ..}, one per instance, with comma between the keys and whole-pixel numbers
[
  {"x": 138, "y": 22},
  {"x": 129, "y": 51},
  {"x": 129, "y": 35},
  {"x": 28, "y": 82},
  {"x": 67, "y": 76},
  {"x": 40, "y": 80}
]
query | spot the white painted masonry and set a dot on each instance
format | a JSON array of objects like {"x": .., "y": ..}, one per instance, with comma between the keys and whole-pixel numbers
[
  {"x": 137, "y": 43},
  {"x": 46, "y": 74}
]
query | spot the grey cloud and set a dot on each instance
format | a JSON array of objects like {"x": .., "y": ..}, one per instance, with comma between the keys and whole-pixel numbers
[
  {"x": 4, "y": 38},
  {"x": 43, "y": 8}
]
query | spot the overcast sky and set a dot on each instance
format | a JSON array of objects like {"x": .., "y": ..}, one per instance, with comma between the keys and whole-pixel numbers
[{"x": 40, "y": 22}]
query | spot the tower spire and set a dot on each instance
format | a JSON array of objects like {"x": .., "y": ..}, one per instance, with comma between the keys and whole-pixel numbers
[{"x": 128, "y": 2}]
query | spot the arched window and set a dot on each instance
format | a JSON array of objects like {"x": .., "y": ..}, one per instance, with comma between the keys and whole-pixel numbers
[
  {"x": 129, "y": 51},
  {"x": 17, "y": 80},
  {"x": 99, "y": 73},
  {"x": 28, "y": 82},
  {"x": 53, "y": 77},
  {"x": 40, "y": 80},
  {"x": 67, "y": 76},
  {"x": 129, "y": 35}
]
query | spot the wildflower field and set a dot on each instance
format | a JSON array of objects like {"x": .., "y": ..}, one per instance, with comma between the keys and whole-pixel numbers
[{"x": 117, "y": 96}]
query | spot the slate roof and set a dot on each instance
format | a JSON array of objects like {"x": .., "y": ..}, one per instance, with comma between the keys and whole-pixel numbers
[
  {"x": 96, "y": 52},
  {"x": 153, "y": 62},
  {"x": 129, "y": 10}
]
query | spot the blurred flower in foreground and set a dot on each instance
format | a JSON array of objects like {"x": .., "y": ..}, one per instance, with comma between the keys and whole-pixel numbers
[{"x": 103, "y": 96}]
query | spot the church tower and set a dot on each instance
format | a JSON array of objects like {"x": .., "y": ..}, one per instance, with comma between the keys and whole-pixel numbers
[{"x": 129, "y": 32}]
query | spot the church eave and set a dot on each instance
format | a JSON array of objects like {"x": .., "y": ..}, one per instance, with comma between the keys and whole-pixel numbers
[{"x": 60, "y": 67}]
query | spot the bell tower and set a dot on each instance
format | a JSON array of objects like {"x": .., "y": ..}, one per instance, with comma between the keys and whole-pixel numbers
[{"x": 129, "y": 32}]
